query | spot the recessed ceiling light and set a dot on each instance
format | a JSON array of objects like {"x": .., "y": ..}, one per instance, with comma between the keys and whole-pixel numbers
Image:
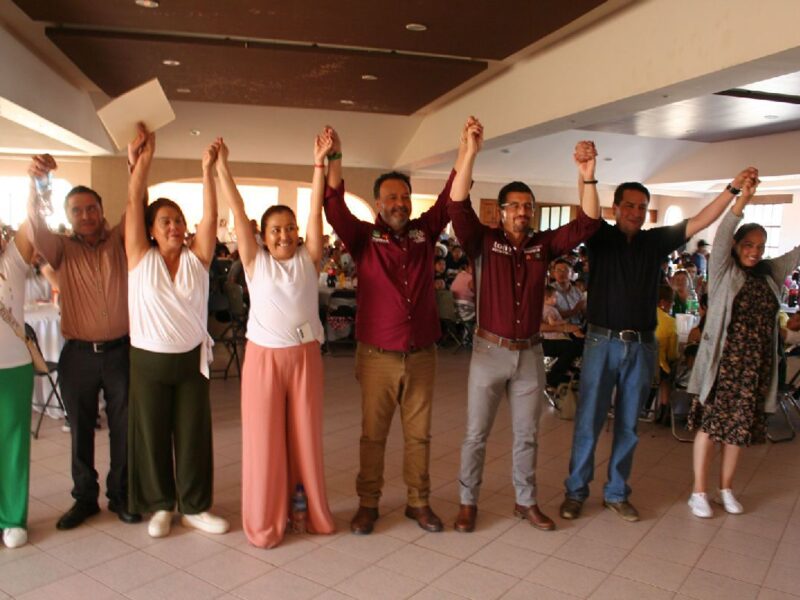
[
  {"x": 608, "y": 159},
  {"x": 417, "y": 27},
  {"x": 183, "y": 90},
  {"x": 690, "y": 130},
  {"x": 195, "y": 132},
  {"x": 346, "y": 102},
  {"x": 368, "y": 77},
  {"x": 147, "y": 3},
  {"x": 505, "y": 151},
  {"x": 771, "y": 117},
  {"x": 171, "y": 62}
]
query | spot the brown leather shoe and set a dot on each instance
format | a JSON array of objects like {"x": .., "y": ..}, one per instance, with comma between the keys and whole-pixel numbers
[
  {"x": 425, "y": 517},
  {"x": 465, "y": 521},
  {"x": 364, "y": 520},
  {"x": 535, "y": 517}
]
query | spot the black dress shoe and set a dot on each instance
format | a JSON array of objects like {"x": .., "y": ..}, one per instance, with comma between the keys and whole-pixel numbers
[
  {"x": 76, "y": 515},
  {"x": 123, "y": 514}
]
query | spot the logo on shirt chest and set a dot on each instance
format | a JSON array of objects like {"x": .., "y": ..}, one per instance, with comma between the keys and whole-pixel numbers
[
  {"x": 534, "y": 251},
  {"x": 379, "y": 237},
  {"x": 417, "y": 236},
  {"x": 502, "y": 248}
]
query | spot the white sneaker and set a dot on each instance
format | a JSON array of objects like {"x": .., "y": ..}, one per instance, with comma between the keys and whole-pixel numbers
[
  {"x": 729, "y": 501},
  {"x": 14, "y": 537},
  {"x": 160, "y": 523},
  {"x": 207, "y": 522},
  {"x": 698, "y": 502}
]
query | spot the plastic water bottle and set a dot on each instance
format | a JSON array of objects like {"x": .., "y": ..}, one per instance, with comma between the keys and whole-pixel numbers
[
  {"x": 299, "y": 509},
  {"x": 44, "y": 191},
  {"x": 794, "y": 292},
  {"x": 692, "y": 303}
]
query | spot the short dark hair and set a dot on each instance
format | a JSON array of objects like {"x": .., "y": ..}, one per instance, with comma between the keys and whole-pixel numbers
[
  {"x": 152, "y": 210},
  {"x": 82, "y": 189},
  {"x": 630, "y": 185},
  {"x": 274, "y": 210},
  {"x": 665, "y": 293},
  {"x": 376, "y": 187},
  {"x": 514, "y": 186},
  {"x": 549, "y": 291},
  {"x": 561, "y": 261}
]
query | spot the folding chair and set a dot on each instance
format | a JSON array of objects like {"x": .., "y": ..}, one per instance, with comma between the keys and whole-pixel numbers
[
  {"x": 452, "y": 326},
  {"x": 340, "y": 319},
  {"x": 52, "y": 367}
]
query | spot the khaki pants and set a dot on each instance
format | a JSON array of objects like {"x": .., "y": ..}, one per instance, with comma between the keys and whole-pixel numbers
[{"x": 391, "y": 379}]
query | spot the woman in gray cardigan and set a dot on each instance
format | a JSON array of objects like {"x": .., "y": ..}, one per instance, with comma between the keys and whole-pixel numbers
[{"x": 735, "y": 374}]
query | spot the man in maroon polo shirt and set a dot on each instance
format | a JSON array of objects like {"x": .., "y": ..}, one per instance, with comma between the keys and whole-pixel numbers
[
  {"x": 396, "y": 327},
  {"x": 510, "y": 270}
]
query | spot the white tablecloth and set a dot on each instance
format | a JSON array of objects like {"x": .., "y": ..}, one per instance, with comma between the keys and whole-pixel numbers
[
  {"x": 45, "y": 319},
  {"x": 685, "y": 323}
]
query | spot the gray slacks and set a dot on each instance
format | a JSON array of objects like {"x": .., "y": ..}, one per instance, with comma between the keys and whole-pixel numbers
[{"x": 493, "y": 372}]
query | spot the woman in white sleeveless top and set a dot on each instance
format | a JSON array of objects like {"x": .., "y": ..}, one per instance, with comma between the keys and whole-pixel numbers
[
  {"x": 16, "y": 388},
  {"x": 282, "y": 373},
  {"x": 169, "y": 408}
]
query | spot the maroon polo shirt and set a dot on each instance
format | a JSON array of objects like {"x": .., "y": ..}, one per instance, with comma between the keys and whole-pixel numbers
[
  {"x": 396, "y": 302},
  {"x": 512, "y": 279}
]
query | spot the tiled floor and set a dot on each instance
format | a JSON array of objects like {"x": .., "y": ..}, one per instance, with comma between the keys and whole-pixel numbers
[{"x": 668, "y": 554}]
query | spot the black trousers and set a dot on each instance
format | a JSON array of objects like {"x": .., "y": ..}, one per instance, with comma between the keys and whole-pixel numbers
[{"x": 83, "y": 374}]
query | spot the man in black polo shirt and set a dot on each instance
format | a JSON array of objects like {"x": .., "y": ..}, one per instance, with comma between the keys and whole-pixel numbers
[{"x": 620, "y": 348}]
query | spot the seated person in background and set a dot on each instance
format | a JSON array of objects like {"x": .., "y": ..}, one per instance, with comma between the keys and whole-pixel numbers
[
  {"x": 791, "y": 333},
  {"x": 696, "y": 281},
  {"x": 556, "y": 341},
  {"x": 569, "y": 300},
  {"x": 439, "y": 277},
  {"x": 456, "y": 261},
  {"x": 463, "y": 288},
  {"x": 693, "y": 341},
  {"x": 682, "y": 285},
  {"x": 667, "y": 338},
  {"x": 40, "y": 281}
]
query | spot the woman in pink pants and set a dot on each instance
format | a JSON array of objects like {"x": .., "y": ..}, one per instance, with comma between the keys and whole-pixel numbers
[{"x": 282, "y": 374}]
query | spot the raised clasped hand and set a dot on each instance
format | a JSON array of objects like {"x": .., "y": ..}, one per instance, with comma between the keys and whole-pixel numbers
[{"x": 586, "y": 158}]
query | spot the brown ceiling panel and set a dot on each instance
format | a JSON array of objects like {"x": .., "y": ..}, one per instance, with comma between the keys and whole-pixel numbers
[
  {"x": 264, "y": 74},
  {"x": 708, "y": 119},
  {"x": 487, "y": 29}
]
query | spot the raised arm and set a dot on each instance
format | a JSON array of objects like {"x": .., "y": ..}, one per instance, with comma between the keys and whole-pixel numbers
[
  {"x": 23, "y": 242},
  {"x": 586, "y": 160},
  {"x": 206, "y": 238},
  {"x": 137, "y": 242},
  {"x": 469, "y": 146},
  {"x": 246, "y": 242},
  {"x": 712, "y": 211},
  {"x": 334, "y": 158},
  {"x": 323, "y": 145},
  {"x": 47, "y": 243}
]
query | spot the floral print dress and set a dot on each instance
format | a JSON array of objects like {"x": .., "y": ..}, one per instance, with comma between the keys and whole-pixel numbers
[{"x": 734, "y": 413}]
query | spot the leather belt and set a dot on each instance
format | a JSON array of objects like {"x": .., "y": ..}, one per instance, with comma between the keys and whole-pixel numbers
[
  {"x": 412, "y": 350},
  {"x": 509, "y": 343},
  {"x": 623, "y": 335},
  {"x": 100, "y": 347}
]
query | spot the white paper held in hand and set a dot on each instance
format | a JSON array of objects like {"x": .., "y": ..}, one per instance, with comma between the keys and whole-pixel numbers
[{"x": 147, "y": 104}]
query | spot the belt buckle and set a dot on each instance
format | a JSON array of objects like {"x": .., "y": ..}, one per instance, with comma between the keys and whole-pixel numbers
[
  {"x": 97, "y": 347},
  {"x": 629, "y": 335}
]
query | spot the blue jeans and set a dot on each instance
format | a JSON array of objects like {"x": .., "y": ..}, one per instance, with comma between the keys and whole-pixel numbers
[{"x": 609, "y": 362}]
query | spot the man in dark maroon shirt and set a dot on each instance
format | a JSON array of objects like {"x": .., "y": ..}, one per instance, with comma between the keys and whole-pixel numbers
[
  {"x": 396, "y": 327},
  {"x": 510, "y": 270}
]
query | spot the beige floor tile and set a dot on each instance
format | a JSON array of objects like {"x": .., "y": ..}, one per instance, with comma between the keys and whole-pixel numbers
[
  {"x": 784, "y": 578},
  {"x": 91, "y": 550},
  {"x": 419, "y": 563},
  {"x": 452, "y": 543},
  {"x": 787, "y": 554},
  {"x": 176, "y": 586},
  {"x": 291, "y": 548},
  {"x": 325, "y": 566},
  {"x": 227, "y": 570},
  {"x": 591, "y": 553},
  {"x": 658, "y": 545},
  {"x": 130, "y": 571},
  {"x": 710, "y": 586},
  {"x": 369, "y": 548},
  {"x": 508, "y": 559},
  {"x": 768, "y": 594},
  {"x": 183, "y": 548},
  {"x": 279, "y": 584},
  {"x": 74, "y": 587},
  {"x": 732, "y": 565},
  {"x": 653, "y": 571},
  {"x": 567, "y": 577},
  {"x": 525, "y": 590},
  {"x": 431, "y": 593},
  {"x": 31, "y": 572},
  {"x": 619, "y": 588},
  {"x": 543, "y": 542},
  {"x": 745, "y": 543},
  {"x": 376, "y": 583},
  {"x": 475, "y": 582}
]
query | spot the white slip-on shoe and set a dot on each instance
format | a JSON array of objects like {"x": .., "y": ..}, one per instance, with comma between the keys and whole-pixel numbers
[
  {"x": 207, "y": 522},
  {"x": 729, "y": 501},
  {"x": 160, "y": 523},
  {"x": 14, "y": 537},
  {"x": 698, "y": 503}
]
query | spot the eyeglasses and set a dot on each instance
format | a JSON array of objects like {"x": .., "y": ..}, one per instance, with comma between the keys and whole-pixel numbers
[{"x": 516, "y": 206}]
